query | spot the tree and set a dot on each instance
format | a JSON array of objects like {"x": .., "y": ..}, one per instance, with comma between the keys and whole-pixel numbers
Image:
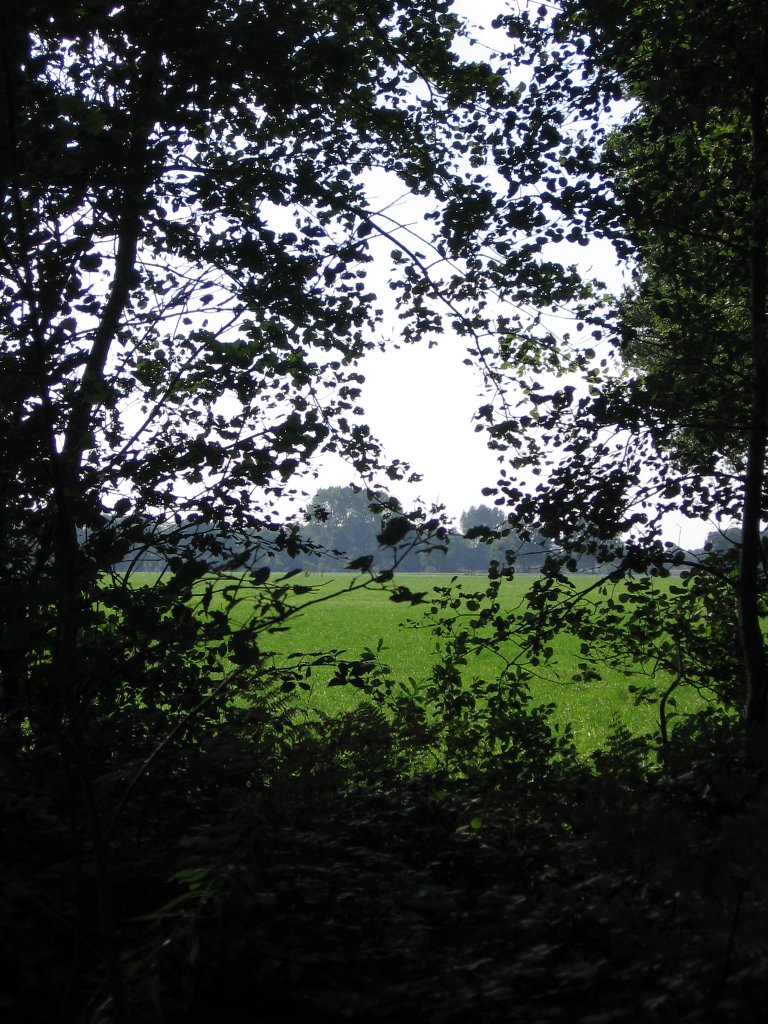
[
  {"x": 186, "y": 223},
  {"x": 481, "y": 528},
  {"x": 185, "y": 236},
  {"x": 701, "y": 239},
  {"x": 345, "y": 522},
  {"x": 723, "y": 540},
  {"x": 675, "y": 417},
  {"x": 492, "y": 519}
]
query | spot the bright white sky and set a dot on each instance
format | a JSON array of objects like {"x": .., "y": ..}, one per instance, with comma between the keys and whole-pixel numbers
[{"x": 420, "y": 403}]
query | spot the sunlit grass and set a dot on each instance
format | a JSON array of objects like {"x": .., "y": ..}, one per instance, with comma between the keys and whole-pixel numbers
[
  {"x": 340, "y": 615},
  {"x": 352, "y": 620}
]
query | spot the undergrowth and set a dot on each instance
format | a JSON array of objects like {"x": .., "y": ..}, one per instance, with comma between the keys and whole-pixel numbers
[
  {"x": 441, "y": 849},
  {"x": 360, "y": 867}
]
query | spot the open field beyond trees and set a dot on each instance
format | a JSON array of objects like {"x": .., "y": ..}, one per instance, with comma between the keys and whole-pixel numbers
[{"x": 349, "y": 621}]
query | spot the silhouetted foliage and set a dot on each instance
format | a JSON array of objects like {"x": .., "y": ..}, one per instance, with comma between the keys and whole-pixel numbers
[{"x": 187, "y": 217}]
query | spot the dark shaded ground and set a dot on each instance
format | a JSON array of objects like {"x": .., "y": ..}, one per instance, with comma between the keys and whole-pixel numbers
[{"x": 585, "y": 895}]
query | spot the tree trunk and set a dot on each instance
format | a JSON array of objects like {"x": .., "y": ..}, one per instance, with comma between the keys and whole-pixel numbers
[{"x": 753, "y": 646}]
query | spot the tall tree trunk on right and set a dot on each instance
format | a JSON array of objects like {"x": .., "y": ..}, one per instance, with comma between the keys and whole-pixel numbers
[{"x": 753, "y": 646}]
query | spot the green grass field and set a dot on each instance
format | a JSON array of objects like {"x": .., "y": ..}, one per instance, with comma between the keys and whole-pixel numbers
[{"x": 353, "y": 620}]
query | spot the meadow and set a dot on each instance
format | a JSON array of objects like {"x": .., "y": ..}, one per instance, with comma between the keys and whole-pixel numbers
[{"x": 351, "y": 620}]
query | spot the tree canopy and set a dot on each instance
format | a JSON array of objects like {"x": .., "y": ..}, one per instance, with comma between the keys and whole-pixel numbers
[
  {"x": 187, "y": 214},
  {"x": 656, "y": 143},
  {"x": 197, "y": 248},
  {"x": 186, "y": 228}
]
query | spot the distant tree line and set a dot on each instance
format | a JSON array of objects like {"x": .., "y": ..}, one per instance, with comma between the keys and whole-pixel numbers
[
  {"x": 342, "y": 529},
  {"x": 345, "y": 528}
]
